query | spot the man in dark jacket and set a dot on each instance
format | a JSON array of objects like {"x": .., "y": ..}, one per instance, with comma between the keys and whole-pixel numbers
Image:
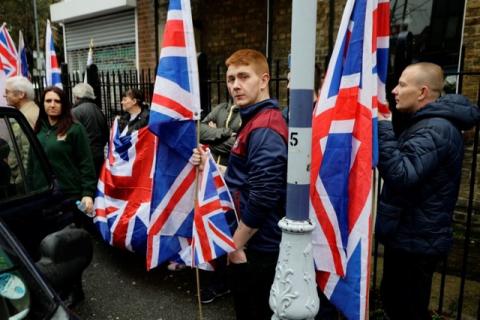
[
  {"x": 91, "y": 117},
  {"x": 256, "y": 177},
  {"x": 421, "y": 172},
  {"x": 219, "y": 130}
]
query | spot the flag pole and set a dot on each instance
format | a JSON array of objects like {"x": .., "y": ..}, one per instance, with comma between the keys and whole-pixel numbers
[
  {"x": 373, "y": 217},
  {"x": 197, "y": 271},
  {"x": 200, "y": 314}
]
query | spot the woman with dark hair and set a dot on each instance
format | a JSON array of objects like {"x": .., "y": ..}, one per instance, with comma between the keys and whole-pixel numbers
[
  {"x": 65, "y": 142},
  {"x": 136, "y": 112}
]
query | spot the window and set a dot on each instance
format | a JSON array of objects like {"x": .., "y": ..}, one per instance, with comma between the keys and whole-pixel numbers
[
  {"x": 433, "y": 29},
  {"x": 19, "y": 165}
]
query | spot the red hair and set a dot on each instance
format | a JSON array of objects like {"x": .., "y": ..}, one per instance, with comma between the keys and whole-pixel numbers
[{"x": 249, "y": 57}]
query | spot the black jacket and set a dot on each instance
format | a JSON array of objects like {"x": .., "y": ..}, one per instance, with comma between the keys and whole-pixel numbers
[
  {"x": 421, "y": 171},
  {"x": 140, "y": 121},
  {"x": 92, "y": 118}
]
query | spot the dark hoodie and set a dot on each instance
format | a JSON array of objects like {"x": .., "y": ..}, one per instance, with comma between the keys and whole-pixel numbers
[{"x": 421, "y": 171}]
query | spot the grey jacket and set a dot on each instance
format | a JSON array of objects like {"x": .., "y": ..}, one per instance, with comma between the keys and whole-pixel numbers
[{"x": 221, "y": 139}]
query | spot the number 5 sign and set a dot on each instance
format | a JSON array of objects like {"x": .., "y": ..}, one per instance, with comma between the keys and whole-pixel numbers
[{"x": 299, "y": 146}]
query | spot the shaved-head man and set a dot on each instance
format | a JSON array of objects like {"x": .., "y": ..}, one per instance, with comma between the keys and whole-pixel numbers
[
  {"x": 418, "y": 85},
  {"x": 421, "y": 172}
]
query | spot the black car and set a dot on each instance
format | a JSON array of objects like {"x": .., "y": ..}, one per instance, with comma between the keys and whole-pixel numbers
[{"x": 33, "y": 227}]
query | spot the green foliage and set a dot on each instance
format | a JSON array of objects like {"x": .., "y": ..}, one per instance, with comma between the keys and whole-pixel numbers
[{"x": 18, "y": 14}]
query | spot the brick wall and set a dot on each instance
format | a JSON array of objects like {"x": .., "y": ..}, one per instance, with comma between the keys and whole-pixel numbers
[
  {"x": 471, "y": 84},
  {"x": 472, "y": 48},
  {"x": 223, "y": 27},
  {"x": 230, "y": 25},
  {"x": 146, "y": 33}
]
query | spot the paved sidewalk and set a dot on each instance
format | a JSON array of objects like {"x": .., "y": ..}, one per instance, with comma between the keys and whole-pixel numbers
[{"x": 118, "y": 287}]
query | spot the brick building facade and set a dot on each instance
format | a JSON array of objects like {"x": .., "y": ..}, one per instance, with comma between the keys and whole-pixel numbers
[{"x": 223, "y": 27}]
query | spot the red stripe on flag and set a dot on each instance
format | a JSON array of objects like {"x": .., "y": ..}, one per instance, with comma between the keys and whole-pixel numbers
[
  {"x": 53, "y": 61},
  {"x": 383, "y": 108},
  {"x": 383, "y": 19},
  {"x": 360, "y": 177},
  {"x": 105, "y": 212},
  {"x": 217, "y": 179},
  {"x": 322, "y": 279},
  {"x": 173, "y": 35},
  {"x": 200, "y": 213},
  {"x": 225, "y": 239},
  {"x": 171, "y": 104},
  {"x": 176, "y": 197},
  {"x": 162, "y": 219},
  {"x": 8, "y": 56},
  {"x": 120, "y": 233},
  {"x": 375, "y": 29},
  {"x": 329, "y": 232}
]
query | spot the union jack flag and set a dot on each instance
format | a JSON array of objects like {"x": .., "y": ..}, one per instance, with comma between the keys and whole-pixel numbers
[
  {"x": 211, "y": 233},
  {"x": 124, "y": 191},
  {"x": 175, "y": 106},
  {"x": 8, "y": 53},
  {"x": 52, "y": 69},
  {"x": 343, "y": 152}
]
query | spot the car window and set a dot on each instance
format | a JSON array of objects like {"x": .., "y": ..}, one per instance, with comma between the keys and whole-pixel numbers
[
  {"x": 20, "y": 172},
  {"x": 21, "y": 294}
]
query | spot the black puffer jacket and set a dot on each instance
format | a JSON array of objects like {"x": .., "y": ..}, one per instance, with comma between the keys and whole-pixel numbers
[{"x": 421, "y": 171}]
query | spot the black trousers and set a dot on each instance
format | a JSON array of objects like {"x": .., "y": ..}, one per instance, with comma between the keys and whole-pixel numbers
[
  {"x": 250, "y": 284},
  {"x": 406, "y": 284}
]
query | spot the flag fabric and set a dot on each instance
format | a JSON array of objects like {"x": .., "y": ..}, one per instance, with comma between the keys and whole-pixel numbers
[
  {"x": 211, "y": 236},
  {"x": 52, "y": 69},
  {"x": 89, "y": 61},
  {"x": 22, "y": 64},
  {"x": 124, "y": 191},
  {"x": 343, "y": 153},
  {"x": 8, "y": 52},
  {"x": 175, "y": 107},
  {"x": 3, "y": 78}
]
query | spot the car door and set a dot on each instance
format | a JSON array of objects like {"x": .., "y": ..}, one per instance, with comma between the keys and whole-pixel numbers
[
  {"x": 29, "y": 202},
  {"x": 24, "y": 294},
  {"x": 28, "y": 196}
]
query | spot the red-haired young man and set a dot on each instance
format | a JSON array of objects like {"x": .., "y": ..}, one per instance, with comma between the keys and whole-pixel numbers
[{"x": 256, "y": 177}]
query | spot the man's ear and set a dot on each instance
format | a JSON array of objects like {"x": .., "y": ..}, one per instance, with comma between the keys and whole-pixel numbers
[
  {"x": 424, "y": 93},
  {"x": 265, "y": 79},
  {"x": 23, "y": 95}
]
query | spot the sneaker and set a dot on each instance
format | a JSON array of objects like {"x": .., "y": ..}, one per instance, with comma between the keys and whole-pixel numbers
[{"x": 207, "y": 295}]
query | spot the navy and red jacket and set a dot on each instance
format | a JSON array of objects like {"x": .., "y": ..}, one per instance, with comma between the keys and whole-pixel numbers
[{"x": 257, "y": 170}]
